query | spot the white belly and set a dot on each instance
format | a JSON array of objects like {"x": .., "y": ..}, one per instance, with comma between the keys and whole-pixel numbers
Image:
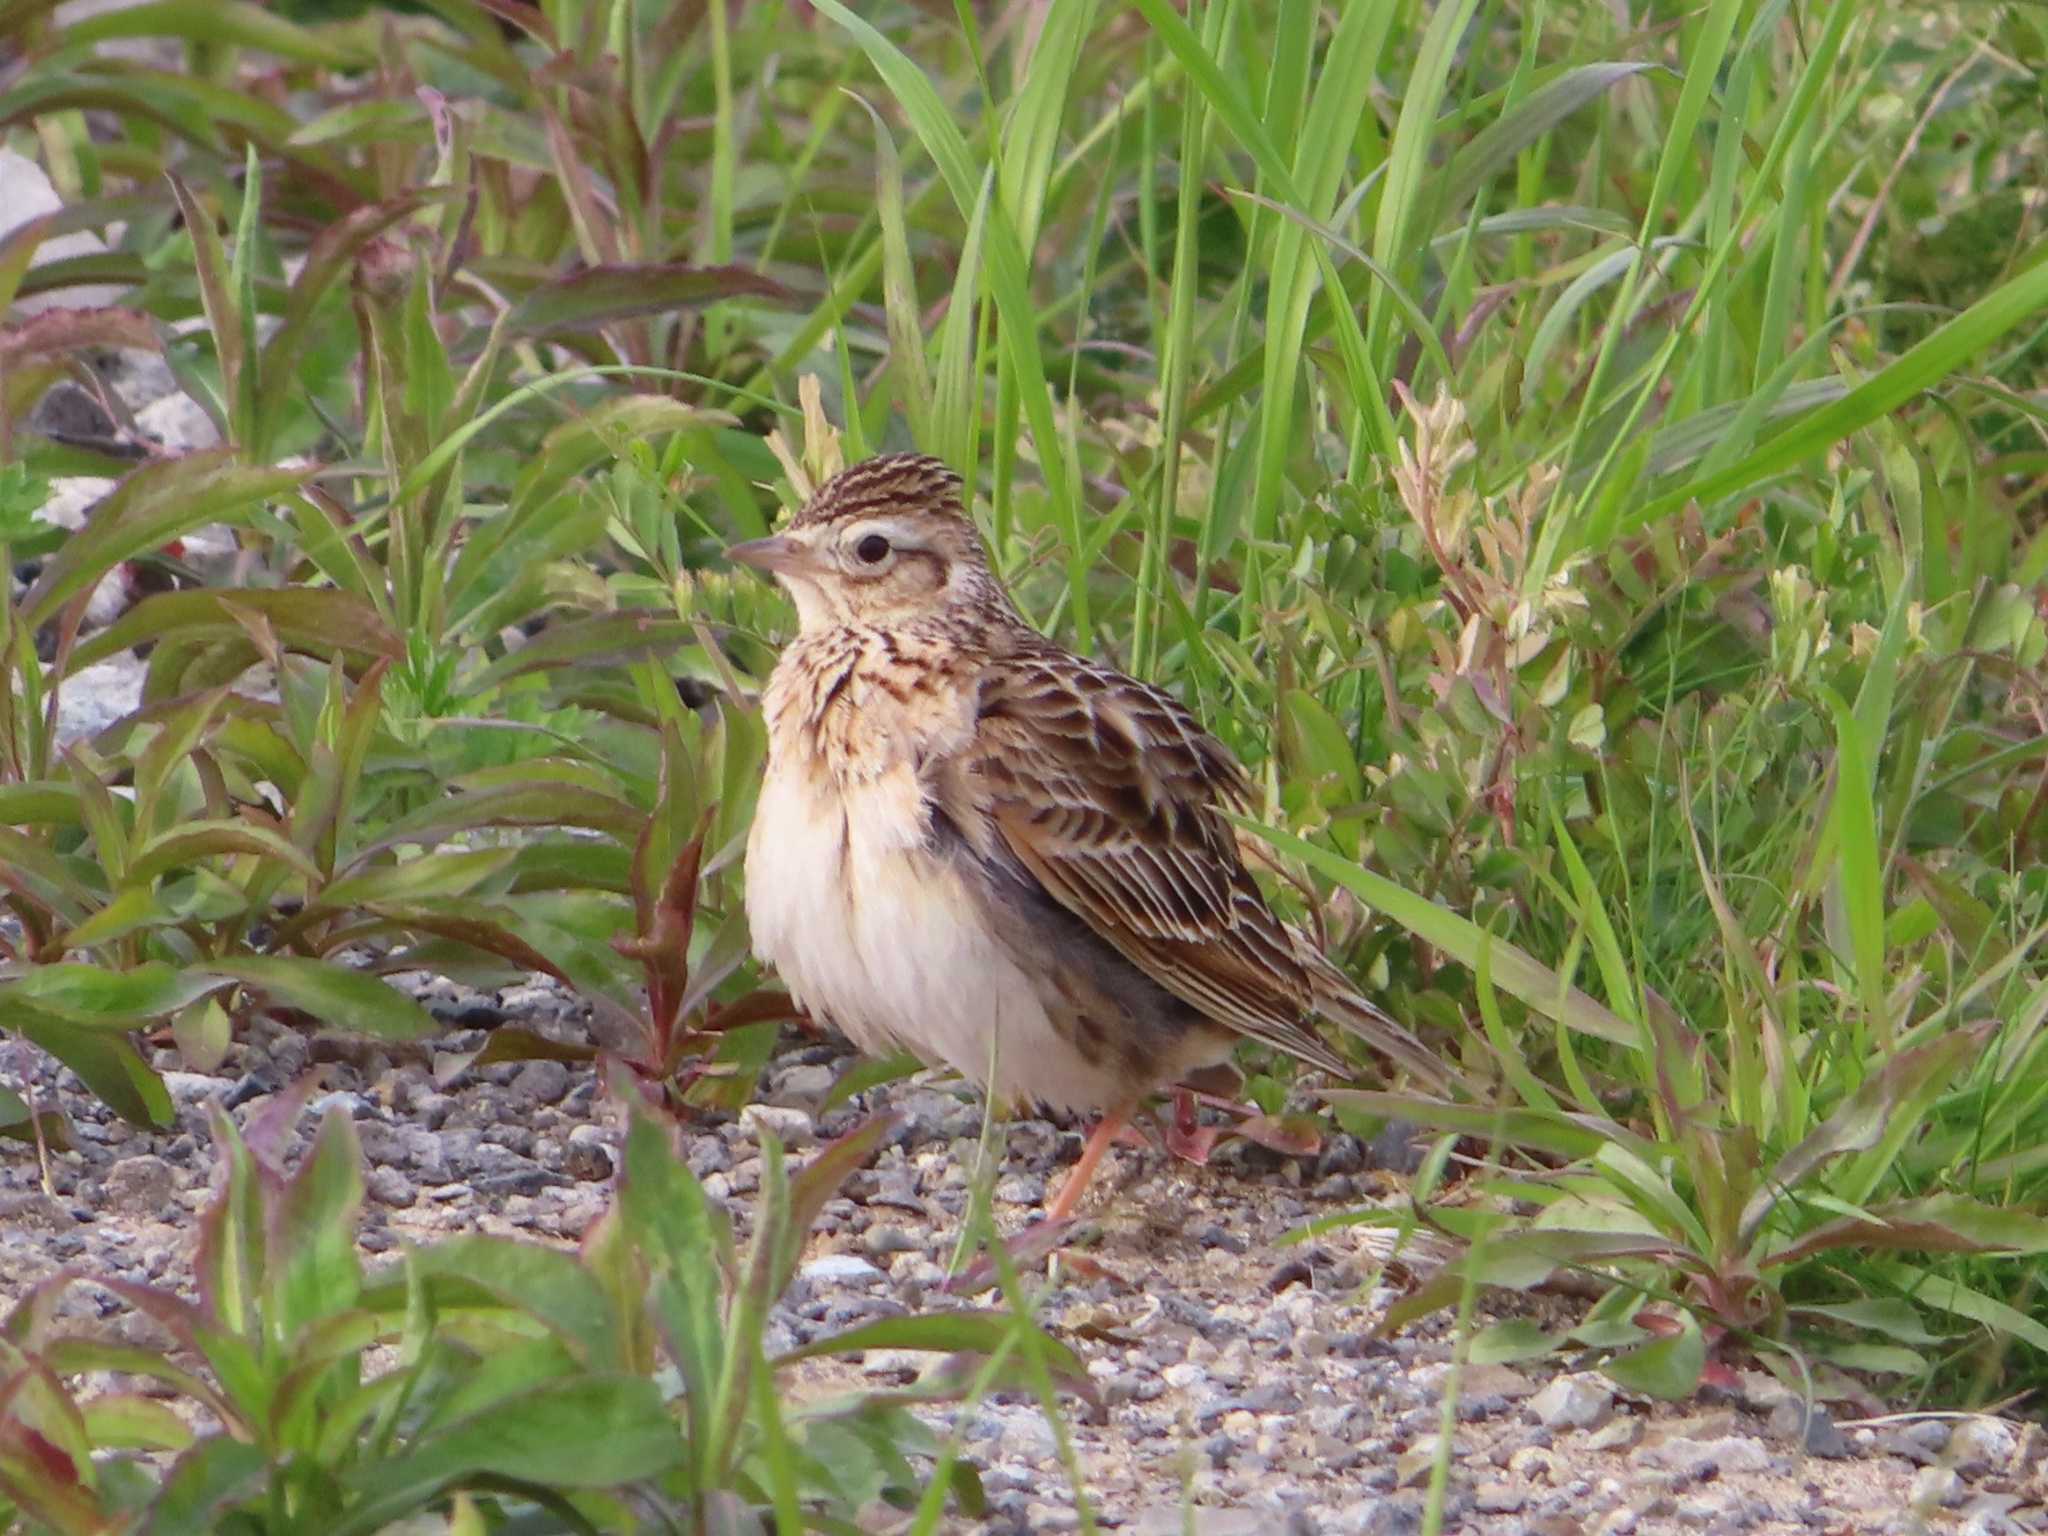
[{"x": 868, "y": 929}]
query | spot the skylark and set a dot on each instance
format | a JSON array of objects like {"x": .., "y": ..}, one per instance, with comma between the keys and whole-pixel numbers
[{"x": 1005, "y": 858}]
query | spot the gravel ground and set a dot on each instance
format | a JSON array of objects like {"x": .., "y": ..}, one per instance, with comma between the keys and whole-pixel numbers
[
  {"x": 1240, "y": 1386},
  {"x": 1243, "y": 1394}
]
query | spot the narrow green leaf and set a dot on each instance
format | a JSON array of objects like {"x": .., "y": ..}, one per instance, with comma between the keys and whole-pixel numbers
[
  {"x": 1668, "y": 1368},
  {"x": 598, "y": 295},
  {"x": 1514, "y": 971},
  {"x": 331, "y": 993}
]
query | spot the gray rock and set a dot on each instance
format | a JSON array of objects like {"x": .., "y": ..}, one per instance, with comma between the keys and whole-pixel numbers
[
  {"x": 352, "y": 1104},
  {"x": 1990, "y": 1514},
  {"x": 387, "y": 1186},
  {"x": 1936, "y": 1488},
  {"x": 886, "y": 1239},
  {"x": 839, "y": 1269},
  {"x": 792, "y": 1127},
  {"x": 96, "y": 696},
  {"x": 34, "y": 1211},
  {"x": 192, "y": 1089},
  {"x": 1695, "y": 1459},
  {"x": 707, "y": 1155},
  {"x": 1498, "y": 1498},
  {"x": 1172, "y": 1520},
  {"x": 1020, "y": 1189},
  {"x": 1615, "y": 1435},
  {"x": 428, "y": 1154},
  {"x": 1760, "y": 1391},
  {"x": 1051, "y": 1517},
  {"x": 1398, "y": 1148},
  {"x": 803, "y": 1086},
  {"x": 142, "y": 1186},
  {"x": 1027, "y": 1436},
  {"x": 1980, "y": 1446},
  {"x": 1922, "y": 1441},
  {"x": 26, "y": 193},
  {"x": 1398, "y": 1514},
  {"x": 898, "y": 1366},
  {"x": 1809, "y": 1428},
  {"x": 1572, "y": 1402},
  {"x": 579, "y": 1212},
  {"x": 544, "y": 1082},
  {"x": 588, "y": 1155}
]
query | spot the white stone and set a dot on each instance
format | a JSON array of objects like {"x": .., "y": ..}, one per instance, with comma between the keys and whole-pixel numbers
[
  {"x": 840, "y": 1269},
  {"x": 792, "y": 1127},
  {"x": 26, "y": 193},
  {"x": 1572, "y": 1402}
]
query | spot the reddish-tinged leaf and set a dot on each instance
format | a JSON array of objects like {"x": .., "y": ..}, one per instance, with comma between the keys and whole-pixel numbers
[
  {"x": 217, "y": 292},
  {"x": 1935, "y": 1224},
  {"x": 475, "y": 932},
  {"x": 598, "y": 295},
  {"x": 1028, "y": 1248},
  {"x": 222, "y": 23},
  {"x": 50, "y": 1461},
  {"x": 766, "y": 1005},
  {"x": 312, "y": 619},
  {"x": 217, "y": 1474},
  {"x": 1865, "y": 1118},
  {"x": 530, "y": 19},
  {"x": 314, "y": 1273},
  {"x": 973, "y": 1334},
  {"x": 74, "y": 1356},
  {"x": 19, "y": 245},
  {"x": 1565, "y": 1134},
  {"x": 48, "y": 91},
  {"x": 214, "y": 839},
  {"x": 609, "y": 637},
  {"x": 1193, "y": 1143},
  {"x": 55, "y": 332},
  {"x": 422, "y": 879},
  {"x": 595, "y": 1430},
  {"x": 330, "y": 257},
  {"x": 179, "y": 1317},
  {"x": 821, "y": 1178},
  {"x": 512, "y": 805},
  {"x": 131, "y": 1421}
]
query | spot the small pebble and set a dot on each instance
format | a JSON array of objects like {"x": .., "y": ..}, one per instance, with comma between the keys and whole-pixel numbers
[
  {"x": 1572, "y": 1402},
  {"x": 840, "y": 1269}
]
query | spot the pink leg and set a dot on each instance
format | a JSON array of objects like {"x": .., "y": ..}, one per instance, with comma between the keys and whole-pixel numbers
[{"x": 1113, "y": 1122}]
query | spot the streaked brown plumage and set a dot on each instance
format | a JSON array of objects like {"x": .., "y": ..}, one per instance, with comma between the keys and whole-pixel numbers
[{"x": 1004, "y": 857}]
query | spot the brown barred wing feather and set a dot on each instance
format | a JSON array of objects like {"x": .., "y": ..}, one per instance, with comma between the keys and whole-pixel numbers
[{"x": 1107, "y": 792}]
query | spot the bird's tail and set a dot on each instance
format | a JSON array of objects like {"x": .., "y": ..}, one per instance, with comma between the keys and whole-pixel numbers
[{"x": 1339, "y": 1000}]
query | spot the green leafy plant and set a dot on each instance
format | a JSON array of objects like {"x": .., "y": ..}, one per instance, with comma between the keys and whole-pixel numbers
[
  {"x": 1769, "y": 1182},
  {"x": 517, "y": 1384}
]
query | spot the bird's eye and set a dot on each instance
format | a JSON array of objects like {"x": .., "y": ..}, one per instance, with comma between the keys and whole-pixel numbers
[{"x": 872, "y": 550}]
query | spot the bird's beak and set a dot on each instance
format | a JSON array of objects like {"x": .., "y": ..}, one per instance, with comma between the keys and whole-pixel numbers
[{"x": 772, "y": 555}]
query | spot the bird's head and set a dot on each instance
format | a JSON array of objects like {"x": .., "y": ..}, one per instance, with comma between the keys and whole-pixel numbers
[{"x": 882, "y": 543}]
